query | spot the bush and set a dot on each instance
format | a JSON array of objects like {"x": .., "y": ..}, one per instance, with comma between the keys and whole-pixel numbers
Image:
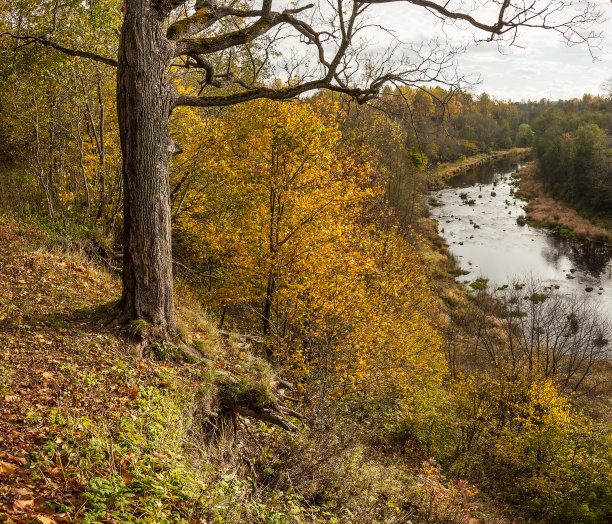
[{"x": 521, "y": 436}]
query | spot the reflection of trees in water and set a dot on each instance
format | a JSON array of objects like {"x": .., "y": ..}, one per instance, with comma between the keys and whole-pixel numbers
[
  {"x": 588, "y": 256},
  {"x": 485, "y": 173},
  {"x": 555, "y": 250}
]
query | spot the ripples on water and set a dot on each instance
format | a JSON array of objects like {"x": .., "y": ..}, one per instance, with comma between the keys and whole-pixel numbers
[{"x": 486, "y": 239}]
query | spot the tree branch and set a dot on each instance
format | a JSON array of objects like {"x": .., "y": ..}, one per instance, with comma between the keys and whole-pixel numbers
[
  {"x": 520, "y": 14},
  {"x": 454, "y": 15},
  {"x": 208, "y": 13},
  {"x": 67, "y": 51},
  {"x": 265, "y": 415},
  {"x": 208, "y": 45},
  {"x": 361, "y": 95}
]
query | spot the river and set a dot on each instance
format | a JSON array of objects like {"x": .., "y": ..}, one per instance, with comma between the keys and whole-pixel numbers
[{"x": 477, "y": 215}]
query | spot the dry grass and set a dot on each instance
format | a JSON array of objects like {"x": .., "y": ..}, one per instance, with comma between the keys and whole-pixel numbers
[
  {"x": 545, "y": 210},
  {"x": 442, "y": 270}
]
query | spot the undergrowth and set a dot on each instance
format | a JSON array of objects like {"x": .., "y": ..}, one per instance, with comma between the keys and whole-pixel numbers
[
  {"x": 93, "y": 433},
  {"x": 94, "y": 430}
]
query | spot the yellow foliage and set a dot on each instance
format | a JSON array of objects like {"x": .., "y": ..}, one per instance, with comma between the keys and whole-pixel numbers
[
  {"x": 531, "y": 437},
  {"x": 290, "y": 222}
]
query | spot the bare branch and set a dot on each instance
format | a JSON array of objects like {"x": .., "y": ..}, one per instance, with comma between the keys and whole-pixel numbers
[
  {"x": 266, "y": 415},
  {"x": 65, "y": 50},
  {"x": 286, "y": 93},
  {"x": 512, "y": 16}
]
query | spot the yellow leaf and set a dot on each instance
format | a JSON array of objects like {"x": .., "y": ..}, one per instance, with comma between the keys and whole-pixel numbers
[
  {"x": 7, "y": 468},
  {"x": 45, "y": 520}
]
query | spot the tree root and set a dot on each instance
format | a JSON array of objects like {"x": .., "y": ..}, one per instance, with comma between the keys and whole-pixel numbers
[
  {"x": 274, "y": 412},
  {"x": 265, "y": 414}
]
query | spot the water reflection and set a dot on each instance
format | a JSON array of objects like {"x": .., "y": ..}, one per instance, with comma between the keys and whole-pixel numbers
[
  {"x": 485, "y": 173},
  {"x": 477, "y": 217}
]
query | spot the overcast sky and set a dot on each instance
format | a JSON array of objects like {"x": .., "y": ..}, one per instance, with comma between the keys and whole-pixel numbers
[{"x": 545, "y": 68}]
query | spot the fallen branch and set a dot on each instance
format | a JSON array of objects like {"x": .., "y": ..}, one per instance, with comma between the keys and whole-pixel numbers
[{"x": 291, "y": 412}]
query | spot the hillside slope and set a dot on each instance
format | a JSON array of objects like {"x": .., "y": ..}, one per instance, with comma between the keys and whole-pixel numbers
[
  {"x": 92, "y": 431},
  {"x": 88, "y": 431}
]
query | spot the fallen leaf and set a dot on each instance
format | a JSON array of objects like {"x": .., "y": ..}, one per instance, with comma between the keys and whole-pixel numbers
[
  {"x": 21, "y": 460},
  {"x": 47, "y": 376},
  {"x": 127, "y": 478},
  {"x": 20, "y": 506},
  {"x": 134, "y": 392},
  {"x": 45, "y": 520},
  {"x": 7, "y": 468},
  {"x": 22, "y": 492}
]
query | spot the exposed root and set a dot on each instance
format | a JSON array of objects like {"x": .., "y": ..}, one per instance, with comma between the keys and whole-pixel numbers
[
  {"x": 264, "y": 414},
  {"x": 249, "y": 404}
]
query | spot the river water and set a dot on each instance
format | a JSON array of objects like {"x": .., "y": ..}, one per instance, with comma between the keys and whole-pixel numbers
[{"x": 486, "y": 239}]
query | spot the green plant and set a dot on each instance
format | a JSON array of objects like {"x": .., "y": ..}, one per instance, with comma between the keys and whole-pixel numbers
[
  {"x": 106, "y": 496},
  {"x": 479, "y": 284}
]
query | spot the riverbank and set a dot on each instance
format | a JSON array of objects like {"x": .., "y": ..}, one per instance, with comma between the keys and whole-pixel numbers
[
  {"x": 443, "y": 271},
  {"x": 474, "y": 232},
  {"x": 442, "y": 172},
  {"x": 543, "y": 210}
]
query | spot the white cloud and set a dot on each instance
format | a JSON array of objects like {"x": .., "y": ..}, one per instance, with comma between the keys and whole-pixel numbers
[{"x": 543, "y": 67}]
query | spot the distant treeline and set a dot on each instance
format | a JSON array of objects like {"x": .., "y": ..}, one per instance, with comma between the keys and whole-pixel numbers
[
  {"x": 410, "y": 130},
  {"x": 573, "y": 148}
]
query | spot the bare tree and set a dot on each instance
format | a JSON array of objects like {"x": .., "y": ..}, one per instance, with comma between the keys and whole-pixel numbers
[
  {"x": 542, "y": 332},
  {"x": 606, "y": 87},
  {"x": 160, "y": 36}
]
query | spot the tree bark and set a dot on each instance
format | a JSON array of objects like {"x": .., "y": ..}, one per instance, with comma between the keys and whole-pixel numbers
[{"x": 144, "y": 102}]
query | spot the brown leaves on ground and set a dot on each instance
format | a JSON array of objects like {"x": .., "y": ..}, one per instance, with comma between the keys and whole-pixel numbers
[
  {"x": 6, "y": 468},
  {"x": 45, "y": 349},
  {"x": 57, "y": 355}
]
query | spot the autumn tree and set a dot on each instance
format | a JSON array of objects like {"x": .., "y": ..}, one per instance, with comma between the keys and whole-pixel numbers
[
  {"x": 160, "y": 37},
  {"x": 279, "y": 188},
  {"x": 524, "y": 136}
]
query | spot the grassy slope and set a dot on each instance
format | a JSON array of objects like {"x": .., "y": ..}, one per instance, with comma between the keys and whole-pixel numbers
[{"x": 89, "y": 432}]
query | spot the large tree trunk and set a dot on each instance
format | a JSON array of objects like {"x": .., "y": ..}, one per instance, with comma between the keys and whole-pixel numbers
[{"x": 144, "y": 102}]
